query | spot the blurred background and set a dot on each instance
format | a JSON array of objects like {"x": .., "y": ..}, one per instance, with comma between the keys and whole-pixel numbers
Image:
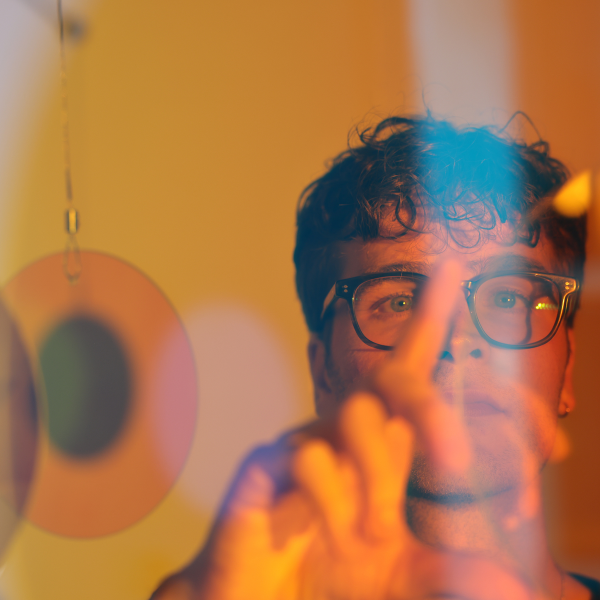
[{"x": 194, "y": 127}]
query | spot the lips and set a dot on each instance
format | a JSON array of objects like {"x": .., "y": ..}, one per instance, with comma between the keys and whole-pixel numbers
[
  {"x": 480, "y": 409},
  {"x": 475, "y": 404}
]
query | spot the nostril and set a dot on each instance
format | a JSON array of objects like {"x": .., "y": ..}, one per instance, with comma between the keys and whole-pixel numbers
[
  {"x": 476, "y": 353},
  {"x": 445, "y": 355}
]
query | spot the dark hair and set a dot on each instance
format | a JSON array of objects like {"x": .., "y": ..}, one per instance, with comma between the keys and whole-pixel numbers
[{"x": 423, "y": 170}]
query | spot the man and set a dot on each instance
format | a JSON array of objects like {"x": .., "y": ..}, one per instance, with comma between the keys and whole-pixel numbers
[{"x": 440, "y": 287}]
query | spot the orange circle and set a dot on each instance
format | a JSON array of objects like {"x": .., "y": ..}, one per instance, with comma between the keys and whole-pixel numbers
[{"x": 109, "y": 491}]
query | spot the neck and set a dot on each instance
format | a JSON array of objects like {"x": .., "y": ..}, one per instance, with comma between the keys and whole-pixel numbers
[{"x": 508, "y": 526}]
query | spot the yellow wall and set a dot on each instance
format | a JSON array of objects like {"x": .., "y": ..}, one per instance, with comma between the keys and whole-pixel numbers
[{"x": 195, "y": 125}]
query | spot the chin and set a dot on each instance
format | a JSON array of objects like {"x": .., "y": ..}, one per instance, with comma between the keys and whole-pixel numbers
[{"x": 487, "y": 478}]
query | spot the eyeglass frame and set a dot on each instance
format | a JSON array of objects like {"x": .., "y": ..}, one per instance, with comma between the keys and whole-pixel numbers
[{"x": 346, "y": 289}]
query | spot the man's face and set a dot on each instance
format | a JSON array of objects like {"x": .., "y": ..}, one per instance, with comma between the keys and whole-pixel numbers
[{"x": 509, "y": 398}]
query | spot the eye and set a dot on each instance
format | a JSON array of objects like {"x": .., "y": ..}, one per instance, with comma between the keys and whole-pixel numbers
[
  {"x": 505, "y": 299},
  {"x": 401, "y": 303}
]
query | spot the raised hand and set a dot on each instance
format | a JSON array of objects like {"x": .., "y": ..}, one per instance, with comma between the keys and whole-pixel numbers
[{"x": 320, "y": 515}]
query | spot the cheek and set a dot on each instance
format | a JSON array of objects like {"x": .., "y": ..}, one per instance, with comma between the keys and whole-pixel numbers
[
  {"x": 349, "y": 360},
  {"x": 536, "y": 379},
  {"x": 534, "y": 372}
]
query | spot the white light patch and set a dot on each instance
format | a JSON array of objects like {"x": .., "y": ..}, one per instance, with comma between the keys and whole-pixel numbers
[
  {"x": 464, "y": 55},
  {"x": 29, "y": 68},
  {"x": 26, "y": 40},
  {"x": 247, "y": 395}
]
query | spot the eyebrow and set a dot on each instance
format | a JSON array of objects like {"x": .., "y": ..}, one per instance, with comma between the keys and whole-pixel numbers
[
  {"x": 501, "y": 262},
  {"x": 509, "y": 261},
  {"x": 422, "y": 267}
]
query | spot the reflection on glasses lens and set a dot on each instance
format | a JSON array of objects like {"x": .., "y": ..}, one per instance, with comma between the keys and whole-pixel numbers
[
  {"x": 517, "y": 309},
  {"x": 512, "y": 309}
]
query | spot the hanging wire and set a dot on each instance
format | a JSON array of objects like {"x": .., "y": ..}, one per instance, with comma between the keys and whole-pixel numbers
[{"x": 72, "y": 256}]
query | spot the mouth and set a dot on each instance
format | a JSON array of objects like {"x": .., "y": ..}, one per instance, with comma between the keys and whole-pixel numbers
[
  {"x": 475, "y": 404},
  {"x": 481, "y": 408}
]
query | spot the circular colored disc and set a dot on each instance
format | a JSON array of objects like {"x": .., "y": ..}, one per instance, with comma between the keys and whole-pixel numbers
[
  {"x": 18, "y": 426},
  {"x": 119, "y": 389}
]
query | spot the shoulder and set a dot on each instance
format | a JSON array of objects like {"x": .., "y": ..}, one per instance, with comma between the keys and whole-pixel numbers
[{"x": 592, "y": 584}]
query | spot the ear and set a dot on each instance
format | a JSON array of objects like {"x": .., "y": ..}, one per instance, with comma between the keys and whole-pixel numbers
[
  {"x": 317, "y": 356},
  {"x": 567, "y": 394}
]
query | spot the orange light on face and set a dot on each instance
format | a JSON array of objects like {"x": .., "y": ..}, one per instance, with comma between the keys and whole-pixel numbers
[{"x": 120, "y": 392}]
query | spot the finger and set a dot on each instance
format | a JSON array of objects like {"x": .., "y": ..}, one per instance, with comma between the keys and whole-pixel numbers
[
  {"x": 438, "y": 426},
  {"x": 265, "y": 474},
  {"x": 261, "y": 533},
  {"x": 530, "y": 501},
  {"x": 400, "y": 439},
  {"x": 517, "y": 443},
  {"x": 443, "y": 435},
  {"x": 322, "y": 428},
  {"x": 291, "y": 521},
  {"x": 256, "y": 483},
  {"x": 332, "y": 487},
  {"x": 404, "y": 382},
  {"x": 371, "y": 440},
  {"x": 425, "y": 336},
  {"x": 174, "y": 588}
]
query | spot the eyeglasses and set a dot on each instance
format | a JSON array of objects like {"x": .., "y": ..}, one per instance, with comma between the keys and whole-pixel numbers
[{"x": 510, "y": 309}]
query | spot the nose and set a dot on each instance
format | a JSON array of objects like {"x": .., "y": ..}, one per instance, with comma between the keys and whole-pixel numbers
[{"x": 463, "y": 341}]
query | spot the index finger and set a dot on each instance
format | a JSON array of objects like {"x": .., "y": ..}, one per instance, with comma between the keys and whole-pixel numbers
[
  {"x": 404, "y": 382},
  {"x": 426, "y": 334}
]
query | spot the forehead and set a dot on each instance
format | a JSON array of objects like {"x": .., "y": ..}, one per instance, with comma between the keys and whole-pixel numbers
[{"x": 419, "y": 252}]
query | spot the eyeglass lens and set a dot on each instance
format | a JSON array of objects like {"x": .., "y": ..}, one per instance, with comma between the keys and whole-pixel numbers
[{"x": 512, "y": 309}]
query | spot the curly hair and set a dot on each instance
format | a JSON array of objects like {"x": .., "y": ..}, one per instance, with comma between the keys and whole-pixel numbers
[{"x": 428, "y": 171}]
